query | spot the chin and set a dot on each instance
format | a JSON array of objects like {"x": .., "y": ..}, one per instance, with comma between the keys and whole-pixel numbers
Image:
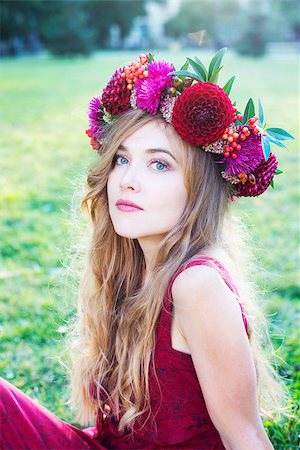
[
  {"x": 128, "y": 235},
  {"x": 126, "y": 232},
  {"x": 131, "y": 233}
]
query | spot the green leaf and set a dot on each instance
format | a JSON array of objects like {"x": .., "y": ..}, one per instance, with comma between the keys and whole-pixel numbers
[
  {"x": 272, "y": 183},
  {"x": 261, "y": 115},
  {"x": 184, "y": 67},
  {"x": 249, "y": 111},
  {"x": 216, "y": 62},
  {"x": 279, "y": 133},
  {"x": 228, "y": 85},
  {"x": 150, "y": 58},
  {"x": 203, "y": 67},
  {"x": 278, "y": 172},
  {"x": 275, "y": 141},
  {"x": 215, "y": 74},
  {"x": 266, "y": 147},
  {"x": 185, "y": 73},
  {"x": 198, "y": 69}
]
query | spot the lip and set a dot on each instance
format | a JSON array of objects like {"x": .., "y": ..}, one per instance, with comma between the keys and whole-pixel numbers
[{"x": 126, "y": 205}]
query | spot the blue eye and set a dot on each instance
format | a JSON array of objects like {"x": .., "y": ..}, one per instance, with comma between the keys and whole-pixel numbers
[
  {"x": 119, "y": 160},
  {"x": 160, "y": 166}
]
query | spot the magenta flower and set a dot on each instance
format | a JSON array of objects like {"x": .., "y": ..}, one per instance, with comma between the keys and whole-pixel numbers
[
  {"x": 249, "y": 157},
  {"x": 95, "y": 118},
  {"x": 150, "y": 90}
]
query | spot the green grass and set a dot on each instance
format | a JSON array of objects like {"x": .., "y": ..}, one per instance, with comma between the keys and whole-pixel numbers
[{"x": 44, "y": 149}]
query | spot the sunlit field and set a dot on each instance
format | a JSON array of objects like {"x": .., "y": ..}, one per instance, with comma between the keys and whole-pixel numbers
[{"x": 44, "y": 155}]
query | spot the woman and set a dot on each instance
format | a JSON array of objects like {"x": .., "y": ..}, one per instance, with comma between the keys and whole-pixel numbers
[{"x": 167, "y": 349}]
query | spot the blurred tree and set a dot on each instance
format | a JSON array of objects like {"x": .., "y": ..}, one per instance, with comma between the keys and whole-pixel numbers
[
  {"x": 192, "y": 16},
  {"x": 255, "y": 29},
  {"x": 78, "y": 26},
  {"x": 247, "y": 25},
  {"x": 105, "y": 13},
  {"x": 65, "y": 27},
  {"x": 216, "y": 17},
  {"x": 19, "y": 25},
  {"x": 285, "y": 20}
]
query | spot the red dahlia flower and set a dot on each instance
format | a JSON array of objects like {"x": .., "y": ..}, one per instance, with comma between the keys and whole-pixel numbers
[
  {"x": 202, "y": 113},
  {"x": 263, "y": 177},
  {"x": 115, "y": 96}
]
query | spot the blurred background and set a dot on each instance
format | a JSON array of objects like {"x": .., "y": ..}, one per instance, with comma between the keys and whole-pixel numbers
[
  {"x": 64, "y": 27},
  {"x": 56, "y": 55}
]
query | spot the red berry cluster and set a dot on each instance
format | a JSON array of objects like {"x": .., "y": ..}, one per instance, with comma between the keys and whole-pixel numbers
[
  {"x": 136, "y": 70},
  {"x": 94, "y": 143},
  {"x": 252, "y": 125},
  {"x": 235, "y": 117},
  {"x": 237, "y": 135}
]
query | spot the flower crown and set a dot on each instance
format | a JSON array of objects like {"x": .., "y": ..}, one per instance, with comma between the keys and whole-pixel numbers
[{"x": 200, "y": 111}]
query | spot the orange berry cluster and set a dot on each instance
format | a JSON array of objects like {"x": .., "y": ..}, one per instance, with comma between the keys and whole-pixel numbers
[
  {"x": 233, "y": 146},
  {"x": 235, "y": 137},
  {"x": 137, "y": 69},
  {"x": 252, "y": 124}
]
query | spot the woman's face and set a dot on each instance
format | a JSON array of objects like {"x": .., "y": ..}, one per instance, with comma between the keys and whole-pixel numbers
[{"x": 147, "y": 171}]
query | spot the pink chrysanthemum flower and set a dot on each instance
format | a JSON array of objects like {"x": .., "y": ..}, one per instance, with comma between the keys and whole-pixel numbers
[
  {"x": 149, "y": 91},
  {"x": 248, "y": 158},
  {"x": 261, "y": 179},
  {"x": 95, "y": 118}
]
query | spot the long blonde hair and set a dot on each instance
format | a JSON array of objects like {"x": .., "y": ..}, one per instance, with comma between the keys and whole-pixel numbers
[{"x": 107, "y": 352}]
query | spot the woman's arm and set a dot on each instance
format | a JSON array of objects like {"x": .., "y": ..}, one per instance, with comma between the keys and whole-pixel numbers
[{"x": 210, "y": 319}]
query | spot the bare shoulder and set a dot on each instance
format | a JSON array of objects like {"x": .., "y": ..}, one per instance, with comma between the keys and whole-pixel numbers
[
  {"x": 199, "y": 284},
  {"x": 201, "y": 297},
  {"x": 210, "y": 321}
]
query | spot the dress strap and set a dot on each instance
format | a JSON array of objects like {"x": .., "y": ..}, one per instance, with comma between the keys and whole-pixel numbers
[{"x": 203, "y": 260}]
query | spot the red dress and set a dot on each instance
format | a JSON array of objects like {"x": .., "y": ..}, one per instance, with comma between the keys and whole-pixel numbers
[{"x": 181, "y": 420}]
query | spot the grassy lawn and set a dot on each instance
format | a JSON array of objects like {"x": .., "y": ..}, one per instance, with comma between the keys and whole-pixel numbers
[{"x": 45, "y": 154}]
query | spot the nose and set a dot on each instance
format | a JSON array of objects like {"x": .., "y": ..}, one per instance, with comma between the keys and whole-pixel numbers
[{"x": 130, "y": 180}]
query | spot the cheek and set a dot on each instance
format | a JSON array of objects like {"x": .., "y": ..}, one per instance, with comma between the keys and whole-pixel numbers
[
  {"x": 178, "y": 202},
  {"x": 171, "y": 198},
  {"x": 110, "y": 187}
]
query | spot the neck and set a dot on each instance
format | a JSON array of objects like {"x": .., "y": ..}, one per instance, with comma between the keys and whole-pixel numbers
[{"x": 149, "y": 248}]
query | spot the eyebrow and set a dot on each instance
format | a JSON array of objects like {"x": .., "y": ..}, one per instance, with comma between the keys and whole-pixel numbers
[{"x": 150, "y": 150}]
